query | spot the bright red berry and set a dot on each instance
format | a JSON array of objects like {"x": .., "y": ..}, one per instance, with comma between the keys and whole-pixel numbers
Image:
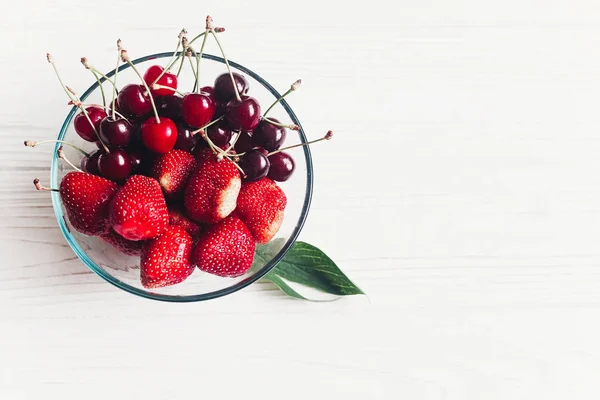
[
  {"x": 178, "y": 218},
  {"x": 167, "y": 82},
  {"x": 226, "y": 249},
  {"x": 159, "y": 137},
  {"x": 139, "y": 211},
  {"x": 212, "y": 190},
  {"x": 86, "y": 198},
  {"x": 261, "y": 205},
  {"x": 172, "y": 170},
  {"x": 166, "y": 260}
]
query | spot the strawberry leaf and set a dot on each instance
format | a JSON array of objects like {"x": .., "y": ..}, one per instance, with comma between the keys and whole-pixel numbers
[{"x": 304, "y": 264}]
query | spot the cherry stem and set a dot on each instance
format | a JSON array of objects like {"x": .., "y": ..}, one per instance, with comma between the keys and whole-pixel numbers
[
  {"x": 107, "y": 108},
  {"x": 169, "y": 64},
  {"x": 74, "y": 99},
  {"x": 39, "y": 186},
  {"x": 182, "y": 54},
  {"x": 33, "y": 143},
  {"x": 290, "y": 90},
  {"x": 103, "y": 75},
  {"x": 206, "y": 126},
  {"x": 239, "y": 133},
  {"x": 125, "y": 57},
  {"x": 193, "y": 68},
  {"x": 114, "y": 94},
  {"x": 293, "y": 127},
  {"x": 61, "y": 154},
  {"x": 327, "y": 136},
  {"x": 100, "y": 86},
  {"x": 157, "y": 86},
  {"x": 237, "y": 94},
  {"x": 180, "y": 66},
  {"x": 198, "y": 59}
]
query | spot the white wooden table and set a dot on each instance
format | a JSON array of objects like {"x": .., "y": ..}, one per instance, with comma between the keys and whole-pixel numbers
[{"x": 461, "y": 193}]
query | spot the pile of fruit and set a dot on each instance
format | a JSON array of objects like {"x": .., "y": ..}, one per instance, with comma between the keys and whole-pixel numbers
[{"x": 182, "y": 180}]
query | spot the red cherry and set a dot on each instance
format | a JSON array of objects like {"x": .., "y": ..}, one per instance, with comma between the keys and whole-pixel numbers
[
  {"x": 90, "y": 164},
  {"x": 197, "y": 109},
  {"x": 268, "y": 136},
  {"x": 244, "y": 115},
  {"x": 84, "y": 128},
  {"x": 168, "y": 80},
  {"x": 281, "y": 166},
  {"x": 159, "y": 137},
  {"x": 243, "y": 143},
  {"x": 133, "y": 100},
  {"x": 115, "y": 165},
  {"x": 220, "y": 133},
  {"x": 115, "y": 132},
  {"x": 224, "y": 87},
  {"x": 185, "y": 140},
  {"x": 210, "y": 91}
]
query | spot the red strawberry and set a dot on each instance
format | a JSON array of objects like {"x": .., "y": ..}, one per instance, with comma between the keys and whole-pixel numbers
[
  {"x": 166, "y": 260},
  {"x": 260, "y": 205},
  {"x": 203, "y": 153},
  {"x": 86, "y": 198},
  {"x": 129, "y": 247},
  {"x": 226, "y": 249},
  {"x": 212, "y": 190},
  {"x": 172, "y": 170},
  {"x": 178, "y": 218},
  {"x": 138, "y": 211}
]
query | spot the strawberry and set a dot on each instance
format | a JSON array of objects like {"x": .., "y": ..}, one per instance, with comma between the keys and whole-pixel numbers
[
  {"x": 260, "y": 205},
  {"x": 138, "y": 211},
  {"x": 86, "y": 198},
  {"x": 226, "y": 249},
  {"x": 178, "y": 218},
  {"x": 212, "y": 190},
  {"x": 166, "y": 260},
  {"x": 172, "y": 170},
  {"x": 129, "y": 247}
]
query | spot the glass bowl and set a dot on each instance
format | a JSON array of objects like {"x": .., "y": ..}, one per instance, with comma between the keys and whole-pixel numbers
[{"x": 123, "y": 271}]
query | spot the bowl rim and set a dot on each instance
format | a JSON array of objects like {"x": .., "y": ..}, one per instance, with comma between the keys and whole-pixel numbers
[{"x": 56, "y": 202}]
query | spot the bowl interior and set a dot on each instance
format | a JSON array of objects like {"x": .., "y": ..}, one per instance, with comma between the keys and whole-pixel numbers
[{"x": 123, "y": 271}]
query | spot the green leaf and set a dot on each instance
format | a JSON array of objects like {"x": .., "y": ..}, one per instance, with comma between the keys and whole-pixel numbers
[{"x": 304, "y": 264}]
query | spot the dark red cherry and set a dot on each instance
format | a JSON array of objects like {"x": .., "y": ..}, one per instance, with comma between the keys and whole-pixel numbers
[
  {"x": 210, "y": 91},
  {"x": 244, "y": 115},
  {"x": 115, "y": 132},
  {"x": 115, "y": 165},
  {"x": 268, "y": 136},
  {"x": 159, "y": 137},
  {"x": 167, "y": 79},
  {"x": 169, "y": 106},
  {"x": 243, "y": 143},
  {"x": 134, "y": 100},
  {"x": 282, "y": 166},
  {"x": 90, "y": 164},
  {"x": 185, "y": 140},
  {"x": 220, "y": 133},
  {"x": 136, "y": 156},
  {"x": 224, "y": 91},
  {"x": 255, "y": 165},
  {"x": 197, "y": 109},
  {"x": 82, "y": 125}
]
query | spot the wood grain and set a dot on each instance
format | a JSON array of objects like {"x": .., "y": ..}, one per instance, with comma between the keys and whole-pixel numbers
[{"x": 460, "y": 193}]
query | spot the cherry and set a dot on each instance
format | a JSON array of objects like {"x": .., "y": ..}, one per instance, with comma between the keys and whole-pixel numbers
[
  {"x": 282, "y": 166},
  {"x": 255, "y": 165},
  {"x": 136, "y": 157},
  {"x": 115, "y": 165},
  {"x": 268, "y": 136},
  {"x": 243, "y": 143},
  {"x": 185, "y": 140},
  {"x": 159, "y": 136},
  {"x": 223, "y": 89},
  {"x": 243, "y": 114},
  {"x": 115, "y": 132},
  {"x": 210, "y": 91},
  {"x": 134, "y": 100},
  {"x": 197, "y": 109},
  {"x": 91, "y": 165},
  {"x": 169, "y": 106},
  {"x": 167, "y": 82},
  {"x": 220, "y": 133},
  {"x": 83, "y": 127}
]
